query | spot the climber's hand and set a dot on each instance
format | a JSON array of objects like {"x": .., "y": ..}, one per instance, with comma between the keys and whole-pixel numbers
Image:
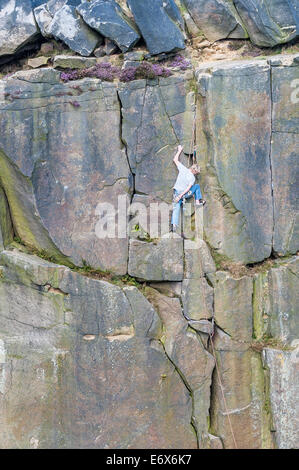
[{"x": 180, "y": 148}]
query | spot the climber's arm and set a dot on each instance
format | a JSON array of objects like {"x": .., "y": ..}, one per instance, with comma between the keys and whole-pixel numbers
[{"x": 177, "y": 155}]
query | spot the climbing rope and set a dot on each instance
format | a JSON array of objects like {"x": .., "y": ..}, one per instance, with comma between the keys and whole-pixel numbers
[
  {"x": 211, "y": 334},
  {"x": 192, "y": 142}
]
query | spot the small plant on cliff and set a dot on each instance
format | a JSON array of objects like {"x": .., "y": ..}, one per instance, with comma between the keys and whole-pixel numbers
[
  {"x": 180, "y": 62},
  {"x": 104, "y": 71},
  {"x": 107, "y": 72}
]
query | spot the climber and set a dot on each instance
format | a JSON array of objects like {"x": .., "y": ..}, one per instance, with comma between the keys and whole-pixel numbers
[{"x": 184, "y": 188}]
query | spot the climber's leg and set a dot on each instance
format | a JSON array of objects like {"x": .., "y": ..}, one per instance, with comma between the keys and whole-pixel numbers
[
  {"x": 195, "y": 190},
  {"x": 176, "y": 211}
]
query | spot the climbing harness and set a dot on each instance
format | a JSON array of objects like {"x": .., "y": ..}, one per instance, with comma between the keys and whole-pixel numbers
[{"x": 211, "y": 334}]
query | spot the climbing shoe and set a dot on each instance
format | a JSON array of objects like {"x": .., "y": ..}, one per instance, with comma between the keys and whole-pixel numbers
[{"x": 201, "y": 202}]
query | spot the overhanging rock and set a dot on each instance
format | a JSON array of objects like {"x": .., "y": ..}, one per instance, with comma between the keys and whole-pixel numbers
[
  {"x": 108, "y": 19},
  {"x": 17, "y": 25},
  {"x": 157, "y": 21}
]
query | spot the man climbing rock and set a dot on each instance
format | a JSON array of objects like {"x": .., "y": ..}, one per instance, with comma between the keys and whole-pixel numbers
[{"x": 184, "y": 188}]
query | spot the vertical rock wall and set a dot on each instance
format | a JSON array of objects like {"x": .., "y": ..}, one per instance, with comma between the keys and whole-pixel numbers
[{"x": 106, "y": 365}]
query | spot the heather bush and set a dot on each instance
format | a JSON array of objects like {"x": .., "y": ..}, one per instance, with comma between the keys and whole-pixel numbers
[
  {"x": 107, "y": 72},
  {"x": 128, "y": 74},
  {"x": 180, "y": 62}
]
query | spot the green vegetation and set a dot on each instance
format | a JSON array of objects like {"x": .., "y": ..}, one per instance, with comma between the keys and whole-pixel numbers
[
  {"x": 84, "y": 270},
  {"x": 268, "y": 341}
]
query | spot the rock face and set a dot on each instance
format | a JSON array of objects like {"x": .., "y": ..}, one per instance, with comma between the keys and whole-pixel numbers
[
  {"x": 108, "y": 19},
  {"x": 130, "y": 363},
  {"x": 257, "y": 165},
  {"x": 238, "y": 172},
  {"x": 6, "y": 229},
  {"x": 157, "y": 261},
  {"x": 283, "y": 366},
  {"x": 285, "y": 122},
  {"x": 163, "y": 113},
  {"x": 79, "y": 365},
  {"x": 17, "y": 25},
  {"x": 162, "y": 34},
  {"x": 185, "y": 349},
  {"x": 275, "y": 295},
  {"x": 79, "y": 174},
  {"x": 217, "y": 19}
]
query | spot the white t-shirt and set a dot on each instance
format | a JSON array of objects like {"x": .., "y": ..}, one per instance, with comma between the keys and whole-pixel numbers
[{"x": 184, "y": 179}]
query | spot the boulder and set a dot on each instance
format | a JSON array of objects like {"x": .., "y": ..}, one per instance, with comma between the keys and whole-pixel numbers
[
  {"x": 270, "y": 22},
  {"x": 45, "y": 12},
  {"x": 161, "y": 260},
  {"x": 37, "y": 62},
  {"x": 283, "y": 371},
  {"x": 234, "y": 136},
  {"x": 159, "y": 23},
  {"x": 68, "y": 26},
  {"x": 107, "y": 17},
  {"x": 217, "y": 19},
  {"x": 110, "y": 47},
  {"x": 17, "y": 26},
  {"x": 73, "y": 62},
  {"x": 79, "y": 347}
]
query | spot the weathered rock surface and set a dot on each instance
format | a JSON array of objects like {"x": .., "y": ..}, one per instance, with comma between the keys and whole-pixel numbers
[
  {"x": 236, "y": 168},
  {"x": 157, "y": 115},
  {"x": 157, "y": 23},
  {"x": 87, "y": 358},
  {"x": 257, "y": 384},
  {"x": 233, "y": 305},
  {"x": 269, "y": 22},
  {"x": 68, "y": 26},
  {"x": 275, "y": 302},
  {"x": 86, "y": 362},
  {"x": 108, "y": 19},
  {"x": 17, "y": 25},
  {"x": 284, "y": 151},
  {"x": 184, "y": 348},
  {"x": 73, "y": 62},
  {"x": 197, "y": 298},
  {"x": 217, "y": 19},
  {"x": 6, "y": 229},
  {"x": 157, "y": 261},
  {"x": 284, "y": 389},
  {"x": 244, "y": 383},
  {"x": 198, "y": 260},
  {"x": 62, "y": 152},
  {"x": 26, "y": 222}
]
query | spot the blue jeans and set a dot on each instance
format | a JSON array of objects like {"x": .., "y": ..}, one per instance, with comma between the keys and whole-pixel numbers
[{"x": 194, "y": 190}]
